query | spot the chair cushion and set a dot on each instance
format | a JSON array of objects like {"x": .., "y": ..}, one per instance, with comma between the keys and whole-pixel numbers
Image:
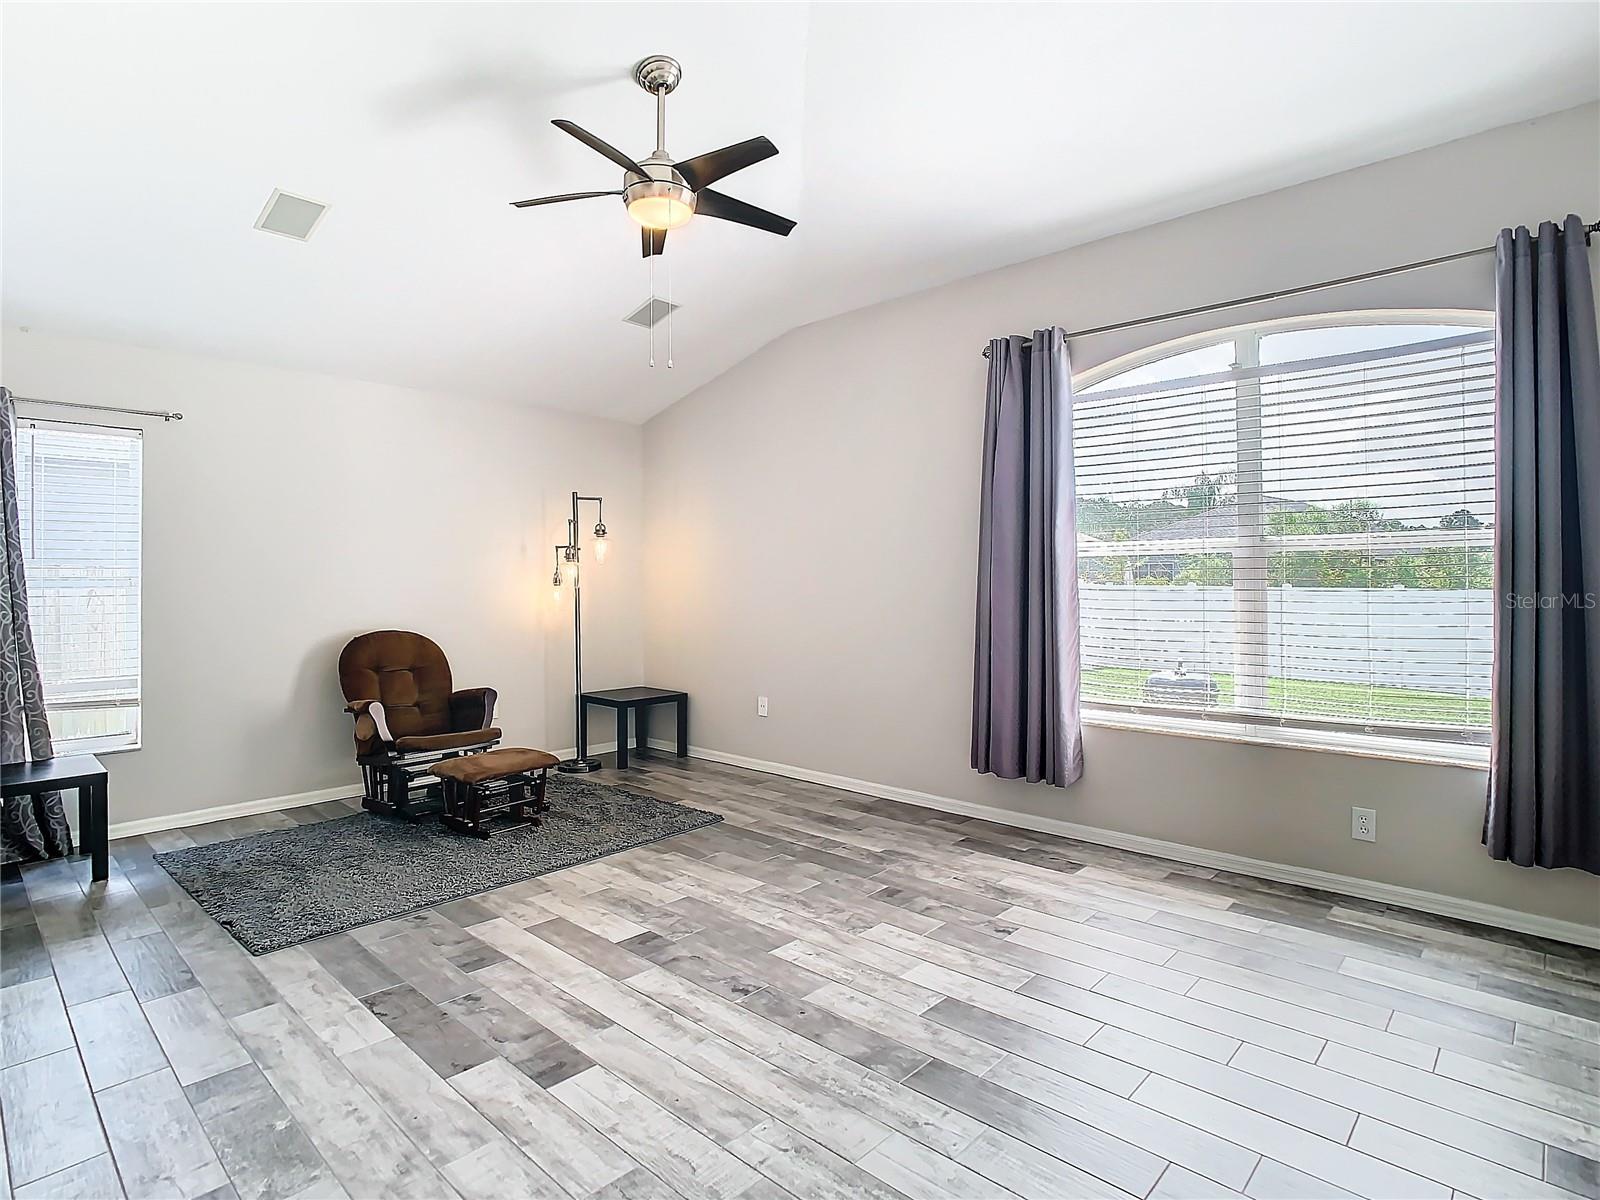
[
  {"x": 494, "y": 764},
  {"x": 407, "y": 672},
  {"x": 447, "y": 741}
]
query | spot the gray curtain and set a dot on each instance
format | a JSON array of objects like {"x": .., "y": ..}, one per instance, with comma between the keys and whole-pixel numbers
[
  {"x": 31, "y": 828},
  {"x": 1025, "y": 721},
  {"x": 1544, "y": 767}
]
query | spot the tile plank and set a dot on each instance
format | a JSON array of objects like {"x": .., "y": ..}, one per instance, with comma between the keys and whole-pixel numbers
[
  {"x": 1532, "y": 1121},
  {"x": 153, "y": 966},
  {"x": 1031, "y": 1173},
  {"x": 159, "y": 1145},
  {"x": 804, "y": 1169},
  {"x": 913, "y": 1170},
  {"x": 1316, "y": 1156},
  {"x": 115, "y": 1040},
  {"x": 263, "y": 1149},
  {"x": 567, "y": 1148},
  {"x": 498, "y": 1170},
  {"x": 1262, "y": 1093},
  {"x": 688, "y": 1161},
  {"x": 365, "y": 1148},
  {"x": 1476, "y": 1176},
  {"x": 1109, "y": 1158},
  {"x": 443, "y": 1125},
  {"x": 92, "y": 1179},
  {"x": 33, "y": 1021},
  {"x": 1369, "y": 1097},
  {"x": 196, "y": 1037},
  {"x": 1173, "y": 1140},
  {"x": 51, "y": 1122}
]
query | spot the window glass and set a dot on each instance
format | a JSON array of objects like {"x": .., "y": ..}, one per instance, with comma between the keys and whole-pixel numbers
[
  {"x": 1297, "y": 541},
  {"x": 79, "y": 506}
]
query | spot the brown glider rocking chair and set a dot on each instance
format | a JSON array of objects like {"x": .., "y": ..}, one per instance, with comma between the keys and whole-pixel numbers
[{"x": 408, "y": 718}]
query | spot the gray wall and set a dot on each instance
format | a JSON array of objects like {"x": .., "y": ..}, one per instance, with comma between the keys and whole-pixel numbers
[
  {"x": 812, "y": 521},
  {"x": 290, "y": 511}
]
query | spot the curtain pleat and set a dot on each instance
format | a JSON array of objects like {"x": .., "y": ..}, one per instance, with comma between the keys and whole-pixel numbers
[
  {"x": 31, "y": 827},
  {"x": 1544, "y": 770},
  {"x": 1025, "y": 722}
]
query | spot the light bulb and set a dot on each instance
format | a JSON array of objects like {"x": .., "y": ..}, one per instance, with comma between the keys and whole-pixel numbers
[
  {"x": 555, "y": 594},
  {"x": 569, "y": 570},
  {"x": 660, "y": 212},
  {"x": 602, "y": 547}
]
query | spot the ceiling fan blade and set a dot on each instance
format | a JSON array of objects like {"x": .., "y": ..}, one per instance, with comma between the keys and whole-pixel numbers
[
  {"x": 652, "y": 241},
  {"x": 594, "y": 143},
  {"x": 559, "y": 199},
  {"x": 705, "y": 169},
  {"x": 725, "y": 208}
]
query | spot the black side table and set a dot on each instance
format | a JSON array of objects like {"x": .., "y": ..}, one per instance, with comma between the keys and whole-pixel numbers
[
  {"x": 81, "y": 771},
  {"x": 637, "y": 700}
]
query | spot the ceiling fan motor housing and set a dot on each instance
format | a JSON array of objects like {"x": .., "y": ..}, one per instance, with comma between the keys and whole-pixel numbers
[{"x": 663, "y": 190}]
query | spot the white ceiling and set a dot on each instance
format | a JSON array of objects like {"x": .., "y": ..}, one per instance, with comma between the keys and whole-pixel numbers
[{"x": 919, "y": 143}]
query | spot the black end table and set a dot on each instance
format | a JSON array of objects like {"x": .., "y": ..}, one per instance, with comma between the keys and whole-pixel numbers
[
  {"x": 81, "y": 771},
  {"x": 639, "y": 701}
]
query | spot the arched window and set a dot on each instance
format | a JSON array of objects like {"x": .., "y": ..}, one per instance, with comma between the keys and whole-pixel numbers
[{"x": 1284, "y": 530}]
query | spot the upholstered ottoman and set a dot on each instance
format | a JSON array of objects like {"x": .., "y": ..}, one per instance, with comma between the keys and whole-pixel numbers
[{"x": 494, "y": 791}]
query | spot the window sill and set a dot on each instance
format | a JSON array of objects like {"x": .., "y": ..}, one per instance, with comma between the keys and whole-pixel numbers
[
  {"x": 1441, "y": 754},
  {"x": 87, "y": 746}
]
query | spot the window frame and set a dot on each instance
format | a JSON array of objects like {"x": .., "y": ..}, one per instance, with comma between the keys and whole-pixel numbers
[
  {"x": 1329, "y": 736},
  {"x": 114, "y": 743}
]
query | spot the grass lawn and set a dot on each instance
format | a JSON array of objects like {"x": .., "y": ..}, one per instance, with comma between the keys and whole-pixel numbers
[{"x": 1313, "y": 698}]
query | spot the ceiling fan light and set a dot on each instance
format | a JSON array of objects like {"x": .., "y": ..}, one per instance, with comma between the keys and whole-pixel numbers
[{"x": 660, "y": 212}]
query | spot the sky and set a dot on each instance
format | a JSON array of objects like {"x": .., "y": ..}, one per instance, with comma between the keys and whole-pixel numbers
[{"x": 1411, "y": 434}]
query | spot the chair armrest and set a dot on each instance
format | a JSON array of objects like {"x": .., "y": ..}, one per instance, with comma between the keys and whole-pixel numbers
[
  {"x": 370, "y": 721},
  {"x": 472, "y": 708}
]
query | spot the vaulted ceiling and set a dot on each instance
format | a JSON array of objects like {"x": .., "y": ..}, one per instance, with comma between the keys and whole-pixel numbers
[{"x": 919, "y": 143}]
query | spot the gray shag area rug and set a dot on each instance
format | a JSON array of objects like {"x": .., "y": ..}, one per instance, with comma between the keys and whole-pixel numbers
[{"x": 288, "y": 886}]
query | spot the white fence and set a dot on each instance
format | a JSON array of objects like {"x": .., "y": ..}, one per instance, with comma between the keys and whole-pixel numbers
[{"x": 1392, "y": 637}]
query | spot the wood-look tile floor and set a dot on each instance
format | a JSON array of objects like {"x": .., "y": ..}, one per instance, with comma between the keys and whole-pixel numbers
[{"x": 824, "y": 996}]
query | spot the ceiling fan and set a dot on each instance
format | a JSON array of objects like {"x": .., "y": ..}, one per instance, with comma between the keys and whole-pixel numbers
[{"x": 661, "y": 193}]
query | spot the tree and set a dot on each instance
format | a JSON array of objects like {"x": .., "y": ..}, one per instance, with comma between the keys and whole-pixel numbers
[
  {"x": 1206, "y": 570},
  {"x": 1205, "y": 492},
  {"x": 1462, "y": 518}
]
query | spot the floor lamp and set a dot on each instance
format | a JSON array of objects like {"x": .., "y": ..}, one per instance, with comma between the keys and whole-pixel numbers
[{"x": 568, "y": 564}]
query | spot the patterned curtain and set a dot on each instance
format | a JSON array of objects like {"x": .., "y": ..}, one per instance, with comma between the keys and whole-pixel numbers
[{"x": 31, "y": 827}]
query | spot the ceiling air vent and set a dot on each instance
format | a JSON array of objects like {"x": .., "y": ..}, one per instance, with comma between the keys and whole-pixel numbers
[
  {"x": 651, "y": 313},
  {"x": 290, "y": 216}
]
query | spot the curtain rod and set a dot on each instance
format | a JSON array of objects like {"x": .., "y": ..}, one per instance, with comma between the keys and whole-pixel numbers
[
  {"x": 132, "y": 412},
  {"x": 1285, "y": 293}
]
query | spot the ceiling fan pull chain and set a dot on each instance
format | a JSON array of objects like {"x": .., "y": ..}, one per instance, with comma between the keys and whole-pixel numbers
[
  {"x": 670, "y": 311},
  {"x": 652, "y": 261}
]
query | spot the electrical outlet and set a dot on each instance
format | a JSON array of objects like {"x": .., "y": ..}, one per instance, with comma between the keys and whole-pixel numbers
[
  {"x": 1364, "y": 824},
  {"x": 761, "y": 706}
]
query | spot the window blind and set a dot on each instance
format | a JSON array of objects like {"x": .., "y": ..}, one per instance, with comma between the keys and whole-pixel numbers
[
  {"x": 79, "y": 502},
  {"x": 1300, "y": 544}
]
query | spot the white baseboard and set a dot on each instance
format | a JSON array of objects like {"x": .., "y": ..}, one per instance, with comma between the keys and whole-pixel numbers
[
  {"x": 250, "y": 808},
  {"x": 202, "y": 816},
  {"x": 1346, "y": 885},
  {"x": 595, "y": 748}
]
